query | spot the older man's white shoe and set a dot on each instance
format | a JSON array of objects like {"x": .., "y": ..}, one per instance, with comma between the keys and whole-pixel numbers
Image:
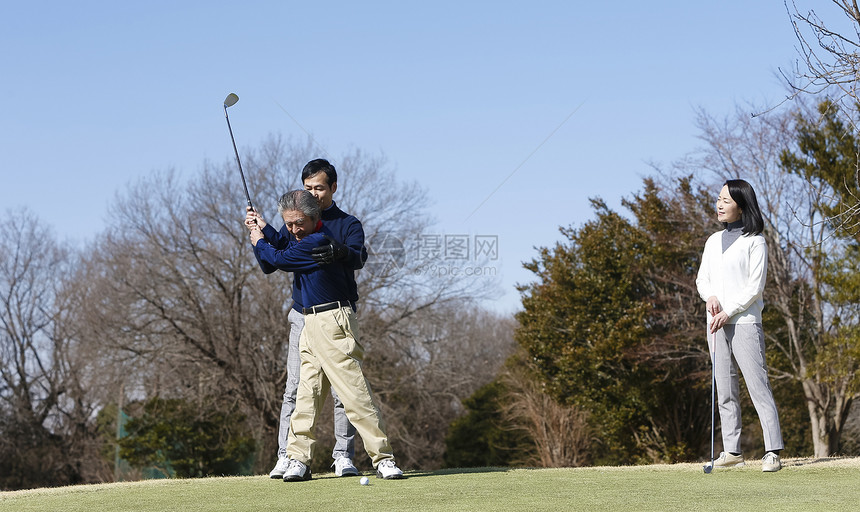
[
  {"x": 297, "y": 472},
  {"x": 388, "y": 470}
]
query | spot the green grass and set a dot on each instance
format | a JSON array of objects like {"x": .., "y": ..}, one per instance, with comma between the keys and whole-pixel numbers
[{"x": 803, "y": 485}]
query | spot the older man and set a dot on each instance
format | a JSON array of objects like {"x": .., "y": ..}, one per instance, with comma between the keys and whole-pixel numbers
[{"x": 329, "y": 346}]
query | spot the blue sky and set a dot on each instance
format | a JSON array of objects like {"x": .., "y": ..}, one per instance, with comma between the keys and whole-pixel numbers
[{"x": 460, "y": 96}]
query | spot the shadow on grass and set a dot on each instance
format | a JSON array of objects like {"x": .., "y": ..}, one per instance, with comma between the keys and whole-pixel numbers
[
  {"x": 807, "y": 461},
  {"x": 456, "y": 471}
]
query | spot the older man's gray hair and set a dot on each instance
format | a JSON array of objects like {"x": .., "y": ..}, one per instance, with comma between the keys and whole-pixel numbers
[{"x": 300, "y": 200}]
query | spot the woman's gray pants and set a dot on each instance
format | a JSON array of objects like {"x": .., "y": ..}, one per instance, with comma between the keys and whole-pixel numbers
[{"x": 741, "y": 346}]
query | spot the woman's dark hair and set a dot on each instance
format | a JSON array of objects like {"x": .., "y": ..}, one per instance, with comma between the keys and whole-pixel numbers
[{"x": 743, "y": 194}]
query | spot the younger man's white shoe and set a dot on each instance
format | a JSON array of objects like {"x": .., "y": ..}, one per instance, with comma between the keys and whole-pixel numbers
[
  {"x": 280, "y": 468},
  {"x": 343, "y": 466}
]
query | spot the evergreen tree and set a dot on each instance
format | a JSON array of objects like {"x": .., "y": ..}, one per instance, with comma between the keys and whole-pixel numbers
[{"x": 614, "y": 326}]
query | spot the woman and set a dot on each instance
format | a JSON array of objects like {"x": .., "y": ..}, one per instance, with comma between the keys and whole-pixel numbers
[{"x": 731, "y": 281}]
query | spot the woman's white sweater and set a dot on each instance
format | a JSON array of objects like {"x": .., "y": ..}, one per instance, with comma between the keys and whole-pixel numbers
[{"x": 736, "y": 277}]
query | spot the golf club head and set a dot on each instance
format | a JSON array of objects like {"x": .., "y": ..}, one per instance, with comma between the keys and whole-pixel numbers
[
  {"x": 708, "y": 468},
  {"x": 230, "y": 100}
]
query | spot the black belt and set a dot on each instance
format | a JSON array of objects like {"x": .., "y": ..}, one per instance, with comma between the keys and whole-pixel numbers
[{"x": 328, "y": 306}]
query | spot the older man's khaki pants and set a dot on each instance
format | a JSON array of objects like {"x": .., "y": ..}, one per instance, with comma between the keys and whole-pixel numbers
[{"x": 331, "y": 357}]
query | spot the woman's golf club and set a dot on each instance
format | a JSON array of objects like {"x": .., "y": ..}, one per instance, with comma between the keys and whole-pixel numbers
[
  {"x": 229, "y": 101},
  {"x": 710, "y": 466}
]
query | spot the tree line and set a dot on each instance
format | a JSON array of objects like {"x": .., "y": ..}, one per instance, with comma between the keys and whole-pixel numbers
[{"x": 161, "y": 347}]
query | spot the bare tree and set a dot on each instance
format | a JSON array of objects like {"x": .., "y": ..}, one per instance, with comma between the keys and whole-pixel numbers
[
  {"x": 47, "y": 436},
  {"x": 830, "y": 64},
  {"x": 828, "y": 55}
]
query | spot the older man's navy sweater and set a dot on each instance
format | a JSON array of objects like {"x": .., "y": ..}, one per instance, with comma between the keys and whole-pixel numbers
[
  {"x": 344, "y": 228},
  {"x": 313, "y": 284}
]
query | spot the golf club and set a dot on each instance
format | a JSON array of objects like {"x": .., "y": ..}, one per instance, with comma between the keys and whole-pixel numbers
[
  {"x": 229, "y": 101},
  {"x": 710, "y": 466}
]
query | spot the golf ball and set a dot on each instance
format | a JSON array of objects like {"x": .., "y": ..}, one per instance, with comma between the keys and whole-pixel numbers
[{"x": 364, "y": 480}]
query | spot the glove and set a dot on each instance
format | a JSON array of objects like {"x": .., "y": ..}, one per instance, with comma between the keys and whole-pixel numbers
[{"x": 333, "y": 251}]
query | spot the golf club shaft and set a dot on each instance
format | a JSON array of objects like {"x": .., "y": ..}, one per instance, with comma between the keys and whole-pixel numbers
[
  {"x": 712, "y": 349},
  {"x": 236, "y": 150},
  {"x": 713, "y": 391}
]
